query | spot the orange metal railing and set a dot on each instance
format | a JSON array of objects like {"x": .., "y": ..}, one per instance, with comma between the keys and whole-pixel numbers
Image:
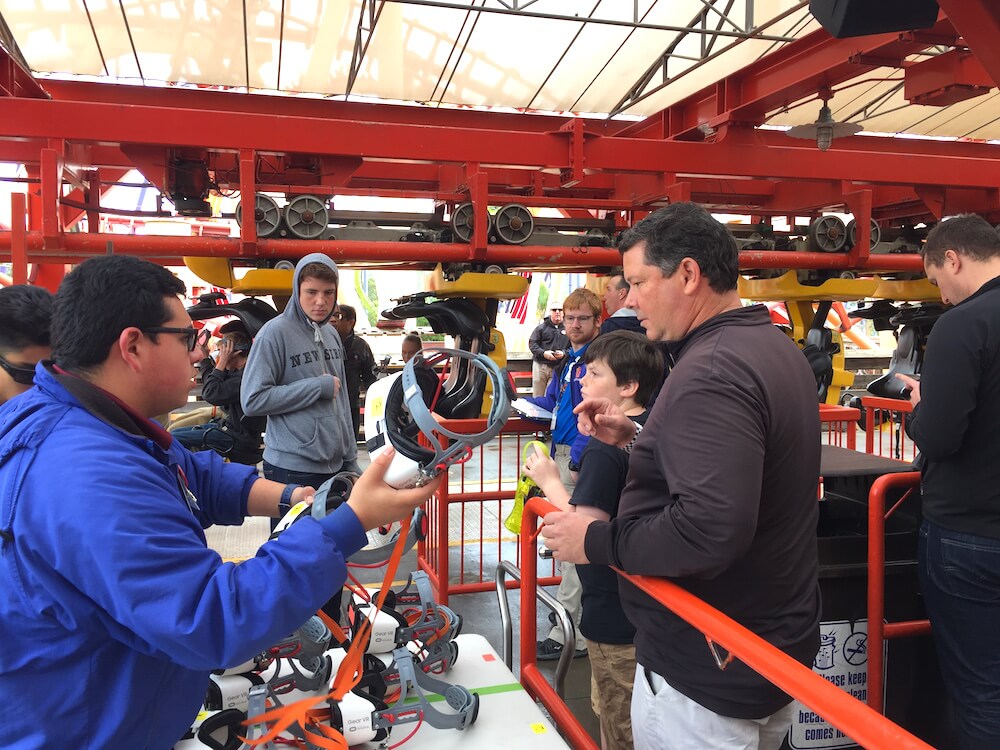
[
  {"x": 878, "y": 629},
  {"x": 467, "y": 514},
  {"x": 882, "y": 413},
  {"x": 839, "y": 425},
  {"x": 864, "y": 725}
]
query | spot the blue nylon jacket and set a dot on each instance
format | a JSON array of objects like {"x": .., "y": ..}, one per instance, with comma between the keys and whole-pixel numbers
[
  {"x": 551, "y": 398},
  {"x": 113, "y": 610}
]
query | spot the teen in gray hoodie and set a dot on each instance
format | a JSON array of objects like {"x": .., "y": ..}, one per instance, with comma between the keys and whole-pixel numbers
[{"x": 295, "y": 377}]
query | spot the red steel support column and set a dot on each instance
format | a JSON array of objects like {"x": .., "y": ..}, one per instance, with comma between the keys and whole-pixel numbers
[
  {"x": 859, "y": 203},
  {"x": 479, "y": 188},
  {"x": 93, "y": 199},
  {"x": 248, "y": 200},
  {"x": 19, "y": 237},
  {"x": 51, "y": 191}
]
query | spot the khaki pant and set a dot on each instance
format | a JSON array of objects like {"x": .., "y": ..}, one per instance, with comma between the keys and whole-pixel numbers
[
  {"x": 612, "y": 673},
  {"x": 541, "y": 374},
  {"x": 570, "y": 590}
]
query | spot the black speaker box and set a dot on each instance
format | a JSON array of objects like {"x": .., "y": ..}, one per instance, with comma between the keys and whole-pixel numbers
[{"x": 844, "y": 18}]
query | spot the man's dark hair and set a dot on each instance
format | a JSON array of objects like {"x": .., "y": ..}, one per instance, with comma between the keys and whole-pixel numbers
[
  {"x": 967, "y": 234},
  {"x": 412, "y": 338},
  {"x": 102, "y": 297},
  {"x": 319, "y": 271},
  {"x": 631, "y": 356},
  {"x": 620, "y": 273},
  {"x": 25, "y": 317},
  {"x": 347, "y": 312},
  {"x": 686, "y": 230}
]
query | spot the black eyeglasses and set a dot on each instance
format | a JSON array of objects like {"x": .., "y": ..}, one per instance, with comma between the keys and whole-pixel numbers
[
  {"x": 20, "y": 374},
  {"x": 191, "y": 334}
]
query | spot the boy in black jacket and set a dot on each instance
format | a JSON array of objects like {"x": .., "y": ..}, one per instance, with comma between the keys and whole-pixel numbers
[{"x": 624, "y": 367}]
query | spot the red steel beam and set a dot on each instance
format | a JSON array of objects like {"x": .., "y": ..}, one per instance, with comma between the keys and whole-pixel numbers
[
  {"x": 798, "y": 70},
  {"x": 195, "y": 129},
  {"x": 283, "y": 106},
  {"x": 84, "y": 245},
  {"x": 15, "y": 81},
  {"x": 978, "y": 21}
]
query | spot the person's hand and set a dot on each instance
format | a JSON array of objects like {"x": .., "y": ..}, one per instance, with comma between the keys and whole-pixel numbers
[
  {"x": 564, "y": 534},
  {"x": 375, "y": 503},
  {"x": 226, "y": 354},
  {"x": 336, "y": 386},
  {"x": 914, "y": 385},
  {"x": 549, "y": 355},
  {"x": 303, "y": 495},
  {"x": 599, "y": 418},
  {"x": 558, "y": 354},
  {"x": 542, "y": 469}
]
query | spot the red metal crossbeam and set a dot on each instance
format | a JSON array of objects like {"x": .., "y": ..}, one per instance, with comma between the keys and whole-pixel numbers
[
  {"x": 164, "y": 126},
  {"x": 15, "y": 81},
  {"x": 798, "y": 70},
  {"x": 978, "y": 21},
  {"x": 73, "y": 247}
]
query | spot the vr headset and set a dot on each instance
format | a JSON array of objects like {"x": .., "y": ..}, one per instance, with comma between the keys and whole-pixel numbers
[{"x": 398, "y": 410}]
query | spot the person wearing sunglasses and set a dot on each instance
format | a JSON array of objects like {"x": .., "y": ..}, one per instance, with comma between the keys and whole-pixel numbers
[
  {"x": 232, "y": 434},
  {"x": 113, "y": 609},
  {"x": 25, "y": 317}
]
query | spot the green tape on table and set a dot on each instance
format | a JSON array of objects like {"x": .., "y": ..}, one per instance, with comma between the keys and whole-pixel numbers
[{"x": 435, "y": 698}]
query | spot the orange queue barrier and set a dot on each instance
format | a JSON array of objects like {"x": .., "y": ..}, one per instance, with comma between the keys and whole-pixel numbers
[
  {"x": 878, "y": 629},
  {"x": 892, "y": 411},
  {"x": 857, "y": 720},
  {"x": 840, "y": 425},
  {"x": 482, "y": 494}
]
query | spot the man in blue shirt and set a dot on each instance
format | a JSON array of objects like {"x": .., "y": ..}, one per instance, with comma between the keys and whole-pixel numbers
[
  {"x": 113, "y": 610},
  {"x": 582, "y": 318}
]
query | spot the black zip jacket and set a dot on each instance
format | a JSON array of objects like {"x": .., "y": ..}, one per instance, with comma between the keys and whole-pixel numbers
[
  {"x": 957, "y": 421},
  {"x": 547, "y": 336},
  {"x": 721, "y": 499}
]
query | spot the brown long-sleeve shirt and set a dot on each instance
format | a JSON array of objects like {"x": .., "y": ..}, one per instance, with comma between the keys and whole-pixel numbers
[{"x": 721, "y": 498}]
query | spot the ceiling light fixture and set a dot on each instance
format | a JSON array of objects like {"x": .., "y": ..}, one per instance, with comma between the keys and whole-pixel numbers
[{"x": 825, "y": 129}]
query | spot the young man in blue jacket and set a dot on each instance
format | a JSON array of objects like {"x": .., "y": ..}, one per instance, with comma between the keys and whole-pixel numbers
[
  {"x": 582, "y": 317},
  {"x": 113, "y": 610}
]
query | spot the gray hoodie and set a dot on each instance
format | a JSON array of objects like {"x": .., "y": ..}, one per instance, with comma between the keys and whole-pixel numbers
[{"x": 289, "y": 378}]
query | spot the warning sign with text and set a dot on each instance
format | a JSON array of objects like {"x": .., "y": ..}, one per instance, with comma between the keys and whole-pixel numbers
[{"x": 842, "y": 659}]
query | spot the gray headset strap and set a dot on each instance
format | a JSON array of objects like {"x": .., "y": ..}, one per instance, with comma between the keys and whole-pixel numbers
[
  {"x": 421, "y": 415},
  {"x": 465, "y": 704}
]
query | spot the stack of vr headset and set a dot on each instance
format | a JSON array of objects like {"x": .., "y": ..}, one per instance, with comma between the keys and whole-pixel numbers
[
  {"x": 412, "y": 638},
  {"x": 412, "y": 643}
]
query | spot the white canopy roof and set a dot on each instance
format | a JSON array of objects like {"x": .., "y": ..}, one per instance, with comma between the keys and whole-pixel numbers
[{"x": 581, "y": 56}]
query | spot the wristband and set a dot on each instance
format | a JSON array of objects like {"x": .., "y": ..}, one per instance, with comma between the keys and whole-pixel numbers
[
  {"x": 285, "y": 503},
  {"x": 631, "y": 443}
]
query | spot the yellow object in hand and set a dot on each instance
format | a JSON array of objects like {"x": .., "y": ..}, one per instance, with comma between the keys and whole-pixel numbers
[{"x": 526, "y": 488}]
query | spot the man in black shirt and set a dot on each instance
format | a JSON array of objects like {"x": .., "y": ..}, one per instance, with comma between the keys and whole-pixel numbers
[
  {"x": 721, "y": 491},
  {"x": 624, "y": 367},
  {"x": 956, "y": 413},
  {"x": 548, "y": 345},
  {"x": 359, "y": 362}
]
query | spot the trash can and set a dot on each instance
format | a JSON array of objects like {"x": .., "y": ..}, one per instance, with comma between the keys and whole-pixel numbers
[{"x": 914, "y": 693}]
